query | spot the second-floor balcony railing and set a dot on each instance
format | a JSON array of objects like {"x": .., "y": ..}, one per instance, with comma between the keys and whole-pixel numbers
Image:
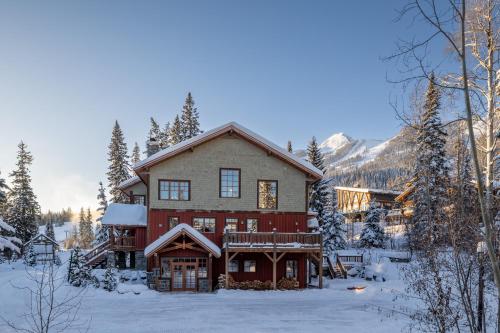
[
  {"x": 119, "y": 243},
  {"x": 272, "y": 240}
]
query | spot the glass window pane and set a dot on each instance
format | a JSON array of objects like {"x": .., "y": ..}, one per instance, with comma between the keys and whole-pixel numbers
[
  {"x": 173, "y": 221},
  {"x": 252, "y": 225},
  {"x": 267, "y": 194},
  {"x": 229, "y": 183},
  {"x": 249, "y": 266},
  {"x": 233, "y": 266},
  {"x": 198, "y": 223},
  {"x": 232, "y": 224}
]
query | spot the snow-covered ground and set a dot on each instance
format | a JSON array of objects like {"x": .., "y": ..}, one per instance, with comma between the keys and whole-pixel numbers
[{"x": 333, "y": 309}]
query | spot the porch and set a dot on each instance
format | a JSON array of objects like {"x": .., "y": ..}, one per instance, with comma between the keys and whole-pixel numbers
[{"x": 274, "y": 246}]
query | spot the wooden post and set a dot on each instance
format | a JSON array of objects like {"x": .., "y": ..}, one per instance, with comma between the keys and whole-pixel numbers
[
  {"x": 320, "y": 261},
  {"x": 210, "y": 272},
  {"x": 227, "y": 259},
  {"x": 112, "y": 236},
  {"x": 274, "y": 260}
]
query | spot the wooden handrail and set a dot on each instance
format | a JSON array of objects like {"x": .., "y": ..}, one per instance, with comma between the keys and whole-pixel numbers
[
  {"x": 272, "y": 238},
  {"x": 342, "y": 268}
]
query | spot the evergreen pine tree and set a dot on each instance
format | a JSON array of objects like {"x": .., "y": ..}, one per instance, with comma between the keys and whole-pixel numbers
[
  {"x": 334, "y": 232},
  {"x": 7, "y": 239},
  {"x": 136, "y": 154},
  {"x": 109, "y": 282},
  {"x": 373, "y": 234},
  {"x": 154, "y": 138},
  {"x": 165, "y": 137},
  {"x": 79, "y": 275},
  {"x": 3, "y": 196},
  {"x": 175, "y": 131},
  {"x": 318, "y": 191},
  {"x": 29, "y": 255},
  {"x": 23, "y": 209},
  {"x": 101, "y": 233},
  {"x": 432, "y": 176},
  {"x": 87, "y": 233},
  {"x": 289, "y": 146},
  {"x": 190, "y": 125},
  {"x": 118, "y": 170},
  {"x": 49, "y": 229}
]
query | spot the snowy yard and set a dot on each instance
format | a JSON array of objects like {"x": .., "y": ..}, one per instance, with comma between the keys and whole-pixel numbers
[{"x": 375, "y": 309}]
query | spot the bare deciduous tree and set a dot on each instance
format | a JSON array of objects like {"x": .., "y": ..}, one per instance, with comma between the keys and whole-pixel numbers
[{"x": 50, "y": 308}]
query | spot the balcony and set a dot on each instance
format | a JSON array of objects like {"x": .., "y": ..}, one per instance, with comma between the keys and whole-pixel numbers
[
  {"x": 125, "y": 243},
  {"x": 272, "y": 241}
]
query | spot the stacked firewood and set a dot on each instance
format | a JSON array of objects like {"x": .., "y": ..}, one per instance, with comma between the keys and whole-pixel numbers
[{"x": 288, "y": 284}]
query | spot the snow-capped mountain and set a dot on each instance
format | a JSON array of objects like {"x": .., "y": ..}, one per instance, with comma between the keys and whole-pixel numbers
[{"x": 367, "y": 162}]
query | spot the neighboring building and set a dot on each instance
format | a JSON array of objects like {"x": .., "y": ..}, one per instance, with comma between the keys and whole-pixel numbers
[
  {"x": 353, "y": 202},
  {"x": 44, "y": 248},
  {"x": 226, "y": 202}
]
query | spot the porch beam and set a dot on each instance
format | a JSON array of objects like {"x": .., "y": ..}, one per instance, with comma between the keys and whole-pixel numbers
[
  {"x": 233, "y": 255},
  {"x": 227, "y": 266},
  {"x": 210, "y": 272}
]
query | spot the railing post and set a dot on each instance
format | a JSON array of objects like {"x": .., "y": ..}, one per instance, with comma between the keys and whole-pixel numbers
[
  {"x": 274, "y": 258},
  {"x": 226, "y": 244}
]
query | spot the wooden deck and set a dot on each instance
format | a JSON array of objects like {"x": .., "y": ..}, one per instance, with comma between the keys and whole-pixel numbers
[{"x": 274, "y": 245}]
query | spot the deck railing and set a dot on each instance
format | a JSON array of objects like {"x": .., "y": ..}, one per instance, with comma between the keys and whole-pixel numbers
[
  {"x": 123, "y": 243},
  {"x": 272, "y": 239}
]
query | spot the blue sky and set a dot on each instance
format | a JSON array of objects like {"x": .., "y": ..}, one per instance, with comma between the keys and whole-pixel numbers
[{"x": 285, "y": 69}]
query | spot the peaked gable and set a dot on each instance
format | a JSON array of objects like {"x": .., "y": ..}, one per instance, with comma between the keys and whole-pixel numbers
[{"x": 230, "y": 128}]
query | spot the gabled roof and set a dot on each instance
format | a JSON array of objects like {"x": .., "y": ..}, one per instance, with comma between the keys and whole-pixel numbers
[
  {"x": 125, "y": 214},
  {"x": 42, "y": 236},
  {"x": 175, "y": 232},
  {"x": 244, "y": 132},
  {"x": 129, "y": 182}
]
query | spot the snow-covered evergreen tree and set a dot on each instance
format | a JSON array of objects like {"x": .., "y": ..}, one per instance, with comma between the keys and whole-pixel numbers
[
  {"x": 79, "y": 275},
  {"x": 118, "y": 170},
  {"x": 109, "y": 282},
  {"x": 373, "y": 234},
  {"x": 136, "y": 154},
  {"x": 85, "y": 226},
  {"x": 49, "y": 229},
  {"x": 7, "y": 238},
  {"x": 101, "y": 232},
  {"x": 165, "y": 137},
  {"x": 431, "y": 174},
  {"x": 319, "y": 190},
  {"x": 29, "y": 255},
  {"x": 154, "y": 138},
  {"x": 289, "y": 146},
  {"x": 175, "y": 131},
  {"x": 23, "y": 209},
  {"x": 190, "y": 125},
  {"x": 334, "y": 231},
  {"x": 3, "y": 195}
]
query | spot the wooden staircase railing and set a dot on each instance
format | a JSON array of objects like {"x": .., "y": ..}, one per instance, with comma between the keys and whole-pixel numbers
[
  {"x": 97, "y": 253},
  {"x": 341, "y": 267}
]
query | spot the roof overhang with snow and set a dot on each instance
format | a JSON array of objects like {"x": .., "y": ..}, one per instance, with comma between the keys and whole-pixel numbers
[
  {"x": 231, "y": 128},
  {"x": 367, "y": 190},
  {"x": 125, "y": 215},
  {"x": 129, "y": 182},
  {"x": 180, "y": 230},
  {"x": 39, "y": 236}
]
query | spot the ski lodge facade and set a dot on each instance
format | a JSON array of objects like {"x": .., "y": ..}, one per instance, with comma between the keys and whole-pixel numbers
[{"x": 225, "y": 203}]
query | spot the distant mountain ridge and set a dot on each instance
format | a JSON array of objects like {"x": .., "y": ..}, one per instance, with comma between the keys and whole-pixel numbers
[{"x": 384, "y": 164}]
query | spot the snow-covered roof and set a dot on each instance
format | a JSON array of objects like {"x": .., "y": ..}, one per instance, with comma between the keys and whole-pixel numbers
[
  {"x": 41, "y": 236},
  {"x": 125, "y": 214},
  {"x": 367, "y": 190},
  {"x": 313, "y": 223},
  {"x": 129, "y": 182},
  {"x": 239, "y": 129},
  {"x": 171, "y": 235}
]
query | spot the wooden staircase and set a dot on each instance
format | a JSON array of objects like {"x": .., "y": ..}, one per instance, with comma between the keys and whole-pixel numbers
[
  {"x": 337, "y": 271},
  {"x": 98, "y": 255}
]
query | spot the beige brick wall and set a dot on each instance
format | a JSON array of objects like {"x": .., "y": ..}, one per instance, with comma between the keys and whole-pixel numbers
[{"x": 202, "y": 165}]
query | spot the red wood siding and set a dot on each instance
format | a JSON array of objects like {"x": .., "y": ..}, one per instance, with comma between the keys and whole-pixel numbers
[
  {"x": 140, "y": 238},
  {"x": 283, "y": 222}
]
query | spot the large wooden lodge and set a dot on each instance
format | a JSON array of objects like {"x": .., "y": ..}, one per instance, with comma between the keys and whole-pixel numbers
[{"x": 227, "y": 202}]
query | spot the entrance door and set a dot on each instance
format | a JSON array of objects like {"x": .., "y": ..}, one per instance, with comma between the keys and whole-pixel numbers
[{"x": 184, "y": 277}]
